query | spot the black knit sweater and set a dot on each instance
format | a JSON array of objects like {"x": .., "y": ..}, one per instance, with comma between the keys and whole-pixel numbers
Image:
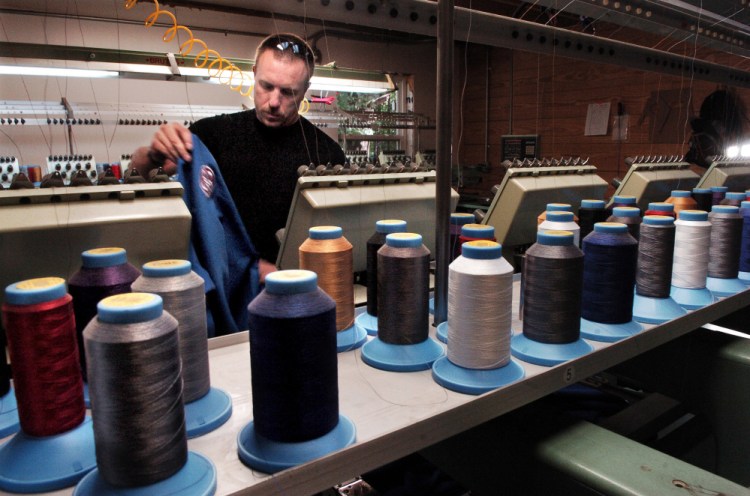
[{"x": 259, "y": 165}]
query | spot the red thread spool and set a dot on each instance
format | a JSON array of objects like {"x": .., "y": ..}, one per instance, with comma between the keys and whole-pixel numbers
[
  {"x": 661, "y": 208},
  {"x": 475, "y": 232},
  {"x": 41, "y": 331}
]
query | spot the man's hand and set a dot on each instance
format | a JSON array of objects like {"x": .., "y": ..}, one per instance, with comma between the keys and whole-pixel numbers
[{"x": 264, "y": 268}]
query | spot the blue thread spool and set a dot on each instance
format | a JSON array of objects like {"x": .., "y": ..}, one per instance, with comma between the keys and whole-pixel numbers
[
  {"x": 403, "y": 343},
  {"x": 294, "y": 371},
  {"x": 744, "y": 273},
  {"x": 552, "y": 311},
  {"x": 478, "y": 351},
  {"x": 610, "y": 256},
  {"x": 652, "y": 303},
  {"x": 369, "y": 320}
]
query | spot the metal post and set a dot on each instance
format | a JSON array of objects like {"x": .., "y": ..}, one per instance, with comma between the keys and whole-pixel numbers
[{"x": 443, "y": 158}]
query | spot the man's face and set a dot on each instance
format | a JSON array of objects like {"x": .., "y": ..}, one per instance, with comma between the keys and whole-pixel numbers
[{"x": 280, "y": 85}]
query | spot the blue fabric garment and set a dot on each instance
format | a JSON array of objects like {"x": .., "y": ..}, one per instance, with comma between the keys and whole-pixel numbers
[{"x": 220, "y": 248}]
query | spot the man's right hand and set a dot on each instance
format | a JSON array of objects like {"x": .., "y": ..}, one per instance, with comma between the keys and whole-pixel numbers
[{"x": 171, "y": 142}]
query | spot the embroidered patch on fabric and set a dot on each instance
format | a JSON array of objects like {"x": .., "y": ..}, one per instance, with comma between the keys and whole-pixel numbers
[{"x": 208, "y": 181}]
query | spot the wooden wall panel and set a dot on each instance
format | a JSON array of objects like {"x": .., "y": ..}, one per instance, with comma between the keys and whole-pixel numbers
[{"x": 550, "y": 95}]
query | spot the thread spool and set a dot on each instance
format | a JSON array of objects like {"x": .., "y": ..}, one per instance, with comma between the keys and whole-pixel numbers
[
  {"x": 724, "y": 250},
  {"x": 733, "y": 198},
  {"x": 133, "y": 356},
  {"x": 480, "y": 294},
  {"x": 293, "y": 364},
  {"x": 622, "y": 201},
  {"x": 368, "y": 321},
  {"x": 703, "y": 198},
  {"x": 39, "y": 322},
  {"x": 554, "y": 207},
  {"x": 690, "y": 267},
  {"x": 717, "y": 194},
  {"x": 562, "y": 221},
  {"x": 591, "y": 212},
  {"x": 457, "y": 220},
  {"x": 610, "y": 257},
  {"x": 630, "y": 216},
  {"x": 33, "y": 172},
  {"x": 329, "y": 254},
  {"x": 474, "y": 232},
  {"x": 403, "y": 343},
  {"x": 104, "y": 272},
  {"x": 553, "y": 273},
  {"x": 744, "y": 274},
  {"x": 682, "y": 200},
  {"x": 183, "y": 295},
  {"x": 653, "y": 277},
  {"x": 661, "y": 208}
]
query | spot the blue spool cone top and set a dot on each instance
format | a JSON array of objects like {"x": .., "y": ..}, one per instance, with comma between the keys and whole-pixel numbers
[
  {"x": 34, "y": 291},
  {"x": 104, "y": 257},
  {"x": 387, "y": 226},
  {"x": 167, "y": 268},
  {"x": 593, "y": 203}
]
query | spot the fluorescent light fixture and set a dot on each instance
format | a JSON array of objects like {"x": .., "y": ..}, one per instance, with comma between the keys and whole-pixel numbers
[
  {"x": 745, "y": 150},
  {"x": 733, "y": 151},
  {"x": 318, "y": 83},
  {"x": 17, "y": 70}
]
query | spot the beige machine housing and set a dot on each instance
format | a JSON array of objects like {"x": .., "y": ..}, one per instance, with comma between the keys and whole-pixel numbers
[
  {"x": 733, "y": 173},
  {"x": 654, "y": 181},
  {"x": 355, "y": 203},
  {"x": 44, "y": 231}
]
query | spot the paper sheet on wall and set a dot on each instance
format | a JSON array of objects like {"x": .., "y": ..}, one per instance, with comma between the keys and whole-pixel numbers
[{"x": 597, "y": 119}]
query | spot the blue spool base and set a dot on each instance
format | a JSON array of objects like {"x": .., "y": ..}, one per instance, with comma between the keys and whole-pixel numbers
[
  {"x": 350, "y": 338},
  {"x": 207, "y": 413},
  {"x": 367, "y": 322},
  {"x": 546, "y": 354},
  {"x": 8, "y": 414},
  {"x": 744, "y": 277},
  {"x": 432, "y": 306},
  {"x": 442, "y": 332},
  {"x": 86, "y": 397},
  {"x": 474, "y": 381},
  {"x": 197, "y": 477},
  {"x": 31, "y": 464},
  {"x": 609, "y": 333},
  {"x": 724, "y": 287},
  {"x": 655, "y": 310},
  {"x": 692, "y": 299},
  {"x": 401, "y": 357},
  {"x": 270, "y": 457}
]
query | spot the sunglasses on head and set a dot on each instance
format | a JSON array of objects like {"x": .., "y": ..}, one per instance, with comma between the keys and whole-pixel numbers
[{"x": 295, "y": 46}]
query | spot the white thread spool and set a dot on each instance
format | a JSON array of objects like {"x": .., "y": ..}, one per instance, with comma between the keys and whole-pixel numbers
[
  {"x": 480, "y": 292},
  {"x": 559, "y": 220},
  {"x": 691, "y": 249}
]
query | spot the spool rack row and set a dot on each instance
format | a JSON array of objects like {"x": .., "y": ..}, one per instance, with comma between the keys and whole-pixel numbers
[{"x": 399, "y": 413}]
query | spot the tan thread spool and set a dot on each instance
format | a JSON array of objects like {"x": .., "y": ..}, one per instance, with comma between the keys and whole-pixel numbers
[{"x": 328, "y": 253}]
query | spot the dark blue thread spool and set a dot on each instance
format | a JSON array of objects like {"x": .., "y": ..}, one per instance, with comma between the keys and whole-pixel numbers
[
  {"x": 744, "y": 274},
  {"x": 458, "y": 220},
  {"x": 610, "y": 256},
  {"x": 591, "y": 212},
  {"x": 294, "y": 368},
  {"x": 703, "y": 198},
  {"x": 622, "y": 201}
]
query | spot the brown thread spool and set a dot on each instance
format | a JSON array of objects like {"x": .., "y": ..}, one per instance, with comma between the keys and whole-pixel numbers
[
  {"x": 328, "y": 253},
  {"x": 682, "y": 200}
]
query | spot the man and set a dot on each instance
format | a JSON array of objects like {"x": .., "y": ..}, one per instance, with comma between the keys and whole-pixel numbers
[{"x": 257, "y": 151}]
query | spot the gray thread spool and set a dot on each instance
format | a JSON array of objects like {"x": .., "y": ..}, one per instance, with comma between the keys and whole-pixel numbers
[
  {"x": 653, "y": 276},
  {"x": 403, "y": 289},
  {"x": 133, "y": 359},
  {"x": 691, "y": 247},
  {"x": 726, "y": 241},
  {"x": 184, "y": 298}
]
